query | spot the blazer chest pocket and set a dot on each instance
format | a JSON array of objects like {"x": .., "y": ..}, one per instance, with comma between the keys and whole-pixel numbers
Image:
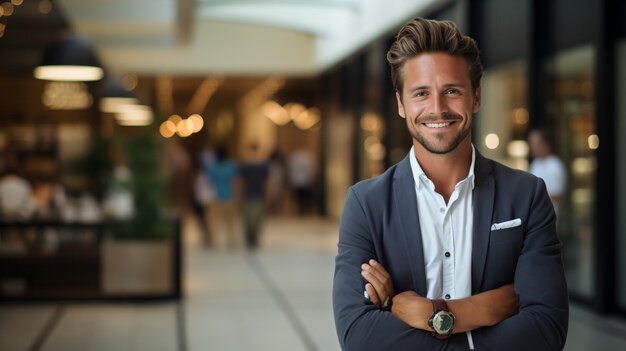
[{"x": 509, "y": 236}]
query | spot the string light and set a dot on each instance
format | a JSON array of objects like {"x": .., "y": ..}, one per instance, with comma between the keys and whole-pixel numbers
[
  {"x": 183, "y": 127},
  {"x": 167, "y": 129},
  {"x": 197, "y": 122},
  {"x": 302, "y": 117}
]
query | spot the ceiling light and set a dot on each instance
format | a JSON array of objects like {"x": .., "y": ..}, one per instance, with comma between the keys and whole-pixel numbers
[
  {"x": 68, "y": 73},
  {"x": 69, "y": 59},
  {"x": 135, "y": 115},
  {"x": 115, "y": 104},
  {"x": 115, "y": 97}
]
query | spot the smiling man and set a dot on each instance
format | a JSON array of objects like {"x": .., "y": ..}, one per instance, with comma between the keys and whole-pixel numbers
[{"x": 447, "y": 250}]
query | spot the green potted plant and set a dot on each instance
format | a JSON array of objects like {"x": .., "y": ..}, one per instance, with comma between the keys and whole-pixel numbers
[{"x": 138, "y": 255}]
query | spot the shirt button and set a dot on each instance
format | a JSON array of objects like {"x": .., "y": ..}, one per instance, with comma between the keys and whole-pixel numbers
[
  {"x": 442, "y": 210},
  {"x": 447, "y": 254},
  {"x": 447, "y": 296}
]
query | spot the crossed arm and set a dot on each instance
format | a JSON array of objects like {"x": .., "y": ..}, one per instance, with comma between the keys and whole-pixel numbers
[{"x": 481, "y": 310}]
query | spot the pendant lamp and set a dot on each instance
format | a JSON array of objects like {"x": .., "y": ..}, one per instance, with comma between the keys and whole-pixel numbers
[
  {"x": 69, "y": 59},
  {"x": 114, "y": 97}
]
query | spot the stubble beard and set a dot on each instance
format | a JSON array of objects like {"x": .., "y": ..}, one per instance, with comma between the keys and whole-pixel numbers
[{"x": 456, "y": 141}]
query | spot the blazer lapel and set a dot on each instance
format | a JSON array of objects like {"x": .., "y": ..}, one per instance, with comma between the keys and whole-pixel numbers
[
  {"x": 483, "y": 198},
  {"x": 406, "y": 203}
]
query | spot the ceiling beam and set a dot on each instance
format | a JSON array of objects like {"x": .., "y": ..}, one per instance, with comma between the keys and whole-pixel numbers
[
  {"x": 353, "y": 6},
  {"x": 185, "y": 20}
]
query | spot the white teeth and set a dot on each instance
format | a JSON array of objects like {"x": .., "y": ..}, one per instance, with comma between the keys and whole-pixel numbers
[{"x": 437, "y": 125}]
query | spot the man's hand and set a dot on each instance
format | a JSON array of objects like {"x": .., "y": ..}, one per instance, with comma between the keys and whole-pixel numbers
[{"x": 379, "y": 286}]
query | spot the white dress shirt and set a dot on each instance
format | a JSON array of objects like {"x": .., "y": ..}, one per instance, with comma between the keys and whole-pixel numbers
[
  {"x": 446, "y": 235},
  {"x": 553, "y": 173}
]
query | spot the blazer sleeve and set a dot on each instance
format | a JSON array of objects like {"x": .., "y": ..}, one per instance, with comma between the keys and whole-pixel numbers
[
  {"x": 541, "y": 323},
  {"x": 361, "y": 325}
]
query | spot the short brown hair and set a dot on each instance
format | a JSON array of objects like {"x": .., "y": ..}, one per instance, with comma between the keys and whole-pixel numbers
[{"x": 421, "y": 35}]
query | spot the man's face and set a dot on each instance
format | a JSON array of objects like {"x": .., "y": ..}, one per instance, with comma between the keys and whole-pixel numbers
[{"x": 437, "y": 101}]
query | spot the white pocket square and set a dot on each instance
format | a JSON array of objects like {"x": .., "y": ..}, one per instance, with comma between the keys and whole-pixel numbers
[{"x": 508, "y": 224}]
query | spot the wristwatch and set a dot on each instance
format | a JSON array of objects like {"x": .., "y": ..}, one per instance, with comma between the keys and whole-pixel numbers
[{"x": 442, "y": 320}]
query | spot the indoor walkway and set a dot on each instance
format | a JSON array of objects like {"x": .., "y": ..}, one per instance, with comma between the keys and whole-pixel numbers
[{"x": 276, "y": 299}]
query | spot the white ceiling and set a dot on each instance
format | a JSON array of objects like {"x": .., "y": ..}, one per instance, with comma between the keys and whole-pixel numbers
[{"x": 234, "y": 37}]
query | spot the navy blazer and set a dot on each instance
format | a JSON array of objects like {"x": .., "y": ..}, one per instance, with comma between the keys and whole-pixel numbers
[{"x": 380, "y": 221}]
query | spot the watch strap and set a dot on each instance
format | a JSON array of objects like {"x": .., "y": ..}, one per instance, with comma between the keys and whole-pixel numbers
[{"x": 439, "y": 305}]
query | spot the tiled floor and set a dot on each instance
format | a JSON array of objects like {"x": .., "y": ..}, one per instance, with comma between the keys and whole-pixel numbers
[{"x": 276, "y": 299}]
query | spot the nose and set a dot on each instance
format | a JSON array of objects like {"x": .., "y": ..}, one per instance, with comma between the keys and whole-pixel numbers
[{"x": 439, "y": 105}]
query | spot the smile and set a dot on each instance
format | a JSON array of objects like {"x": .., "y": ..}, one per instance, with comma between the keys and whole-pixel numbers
[{"x": 438, "y": 125}]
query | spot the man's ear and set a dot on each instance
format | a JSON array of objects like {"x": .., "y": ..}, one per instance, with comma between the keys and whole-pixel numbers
[
  {"x": 477, "y": 96},
  {"x": 400, "y": 105}
]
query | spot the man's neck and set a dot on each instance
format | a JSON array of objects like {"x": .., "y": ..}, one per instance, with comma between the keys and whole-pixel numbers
[{"x": 445, "y": 170}]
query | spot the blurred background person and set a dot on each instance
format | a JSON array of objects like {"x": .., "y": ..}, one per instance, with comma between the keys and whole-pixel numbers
[
  {"x": 254, "y": 172},
  {"x": 180, "y": 174},
  {"x": 16, "y": 196},
  {"x": 204, "y": 194},
  {"x": 301, "y": 163},
  {"x": 223, "y": 174},
  {"x": 276, "y": 183},
  {"x": 547, "y": 165}
]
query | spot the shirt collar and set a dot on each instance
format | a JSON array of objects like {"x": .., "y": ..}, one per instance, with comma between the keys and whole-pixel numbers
[{"x": 419, "y": 176}]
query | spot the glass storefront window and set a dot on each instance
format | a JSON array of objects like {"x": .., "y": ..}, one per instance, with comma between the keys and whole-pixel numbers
[
  {"x": 502, "y": 122},
  {"x": 571, "y": 108},
  {"x": 621, "y": 175}
]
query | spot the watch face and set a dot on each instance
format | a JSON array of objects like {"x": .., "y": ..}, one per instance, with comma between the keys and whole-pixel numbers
[{"x": 443, "y": 322}]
